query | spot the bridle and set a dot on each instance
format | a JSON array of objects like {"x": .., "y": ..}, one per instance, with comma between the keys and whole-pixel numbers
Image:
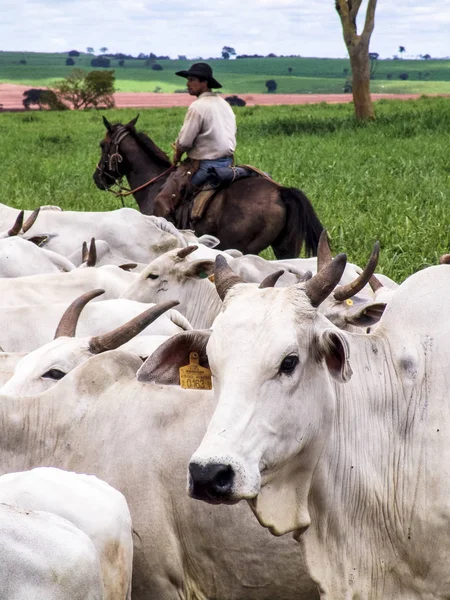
[{"x": 112, "y": 162}]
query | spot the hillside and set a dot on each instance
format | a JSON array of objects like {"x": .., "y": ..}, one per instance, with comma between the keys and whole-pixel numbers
[{"x": 293, "y": 75}]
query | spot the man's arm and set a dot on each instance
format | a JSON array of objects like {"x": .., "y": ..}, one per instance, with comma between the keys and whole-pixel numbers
[{"x": 186, "y": 138}]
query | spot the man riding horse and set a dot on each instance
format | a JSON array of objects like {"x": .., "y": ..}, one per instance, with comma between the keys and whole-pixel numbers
[{"x": 208, "y": 137}]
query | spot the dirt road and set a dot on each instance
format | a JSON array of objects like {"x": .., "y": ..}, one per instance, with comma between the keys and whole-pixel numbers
[{"x": 11, "y": 98}]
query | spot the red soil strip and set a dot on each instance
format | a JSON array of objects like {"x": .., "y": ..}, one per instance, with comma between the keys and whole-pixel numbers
[{"x": 11, "y": 98}]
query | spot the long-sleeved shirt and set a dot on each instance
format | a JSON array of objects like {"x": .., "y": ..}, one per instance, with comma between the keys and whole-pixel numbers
[{"x": 209, "y": 129}]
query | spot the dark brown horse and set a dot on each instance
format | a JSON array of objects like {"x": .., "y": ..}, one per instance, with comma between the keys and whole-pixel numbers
[{"x": 249, "y": 215}]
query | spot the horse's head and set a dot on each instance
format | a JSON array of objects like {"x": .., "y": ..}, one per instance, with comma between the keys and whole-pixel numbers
[{"x": 112, "y": 164}]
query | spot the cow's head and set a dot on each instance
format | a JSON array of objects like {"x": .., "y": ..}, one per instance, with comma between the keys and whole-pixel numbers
[
  {"x": 41, "y": 369},
  {"x": 178, "y": 276},
  {"x": 271, "y": 354}
]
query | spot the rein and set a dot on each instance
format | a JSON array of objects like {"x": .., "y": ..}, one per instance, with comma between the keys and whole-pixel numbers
[{"x": 122, "y": 193}]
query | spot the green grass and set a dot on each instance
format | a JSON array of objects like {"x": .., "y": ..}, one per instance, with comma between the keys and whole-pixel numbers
[
  {"x": 386, "y": 180},
  {"x": 308, "y": 75}
]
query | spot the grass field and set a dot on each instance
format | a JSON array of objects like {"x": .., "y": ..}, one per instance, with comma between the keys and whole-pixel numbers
[
  {"x": 387, "y": 180},
  {"x": 308, "y": 75}
]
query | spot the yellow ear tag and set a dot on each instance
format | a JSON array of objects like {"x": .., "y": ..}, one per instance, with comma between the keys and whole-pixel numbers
[
  {"x": 211, "y": 277},
  {"x": 193, "y": 376},
  {"x": 349, "y": 301}
]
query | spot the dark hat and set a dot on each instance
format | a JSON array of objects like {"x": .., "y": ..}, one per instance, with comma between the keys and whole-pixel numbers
[{"x": 201, "y": 70}]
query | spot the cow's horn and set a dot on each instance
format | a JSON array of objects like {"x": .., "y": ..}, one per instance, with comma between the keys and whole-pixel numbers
[
  {"x": 84, "y": 252},
  {"x": 271, "y": 279},
  {"x": 186, "y": 251},
  {"x": 92, "y": 256},
  {"x": 350, "y": 289},
  {"x": 224, "y": 277},
  {"x": 127, "y": 331},
  {"x": 323, "y": 283},
  {"x": 15, "y": 229},
  {"x": 31, "y": 220},
  {"x": 324, "y": 256},
  {"x": 68, "y": 322}
]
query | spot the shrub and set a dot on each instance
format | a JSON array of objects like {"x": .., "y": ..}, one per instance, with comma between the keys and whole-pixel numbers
[
  {"x": 100, "y": 61},
  {"x": 22, "y": 62},
  {"x": 403, "y": 76},
  {"x": 87, "y": 90},
  {"x": 121, "y": 63},
  {"x": 389, "y": 76},
  {"x": 271, "y": 85},
  {"x": 74, "y": 53},
  {"x": 235, "y": 101},
  {"x": 348, "y": 86},
  {"x": 70, "y": 62},
  {"x": 43, "y": 98},
  {"x": 157, "y": 67}
]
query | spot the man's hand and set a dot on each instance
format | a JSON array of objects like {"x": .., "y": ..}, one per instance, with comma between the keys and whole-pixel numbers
[{"x": 177, "y": 154}]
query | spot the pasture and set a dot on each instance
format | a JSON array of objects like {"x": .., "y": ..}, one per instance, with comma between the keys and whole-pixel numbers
[
  {"x": 293, "y": 75},
  {"x": 387, "y": 180}
]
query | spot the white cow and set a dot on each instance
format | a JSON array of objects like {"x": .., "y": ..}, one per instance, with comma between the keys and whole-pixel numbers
[
  {"x": 90, "y": 504},
  {"x": 138, "y": 437},
  {"x": 45, "y": 557},
  {"x": 341, "y": 438},
  {"x": 19, "y": 258},
  {"x": 40, "y": 369},
  {"x": 28, "y": 327},
  {"x": 63, "y": 287},
  {"x": 139, "y": 237}
]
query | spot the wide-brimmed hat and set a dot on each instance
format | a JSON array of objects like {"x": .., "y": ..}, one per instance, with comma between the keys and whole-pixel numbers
[{"x": 201, "y": 70}]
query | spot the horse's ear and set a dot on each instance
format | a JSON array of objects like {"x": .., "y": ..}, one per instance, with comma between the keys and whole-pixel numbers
[
  {"x": 133, "y": 122},
  {"x": 107, "y": 124}
]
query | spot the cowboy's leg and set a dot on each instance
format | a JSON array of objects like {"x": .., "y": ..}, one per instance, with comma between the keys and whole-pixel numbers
[{"x": 200, "y": 177}]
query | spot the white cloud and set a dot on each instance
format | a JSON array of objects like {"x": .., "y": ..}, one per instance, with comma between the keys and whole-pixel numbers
[{"x": 253, "y": 26}]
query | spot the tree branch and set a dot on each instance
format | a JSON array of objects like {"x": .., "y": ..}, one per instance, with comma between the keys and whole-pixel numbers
[{"x": 369, "y": 24}]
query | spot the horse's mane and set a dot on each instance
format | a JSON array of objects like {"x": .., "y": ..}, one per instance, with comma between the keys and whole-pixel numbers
[{"x": 151, "y": 148}]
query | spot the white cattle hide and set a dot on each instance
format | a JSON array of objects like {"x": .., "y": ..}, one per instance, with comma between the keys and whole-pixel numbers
[
  {"x": 19, "y": 257},
  {"x": 128, "y": 232},
  {"x": 45, "y": 557},
  {"x": 339, "y": 437},
  {"x": 138, "y": 437},
  {"x": 63, "y": 287},
  {"x": 26, "y": 328},
  {"x": 106, "y": 256},
  {"x": 90, "y": 504}
]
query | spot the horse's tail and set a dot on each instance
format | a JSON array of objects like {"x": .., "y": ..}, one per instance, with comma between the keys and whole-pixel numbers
[{"x": 302, "y": 226}]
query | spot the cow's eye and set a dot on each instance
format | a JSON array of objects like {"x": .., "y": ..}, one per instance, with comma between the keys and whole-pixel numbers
[
  {"x": 288, "y": 364},
  {"x": 54, "y": 374},
  {"x": 152, "y": 276}
]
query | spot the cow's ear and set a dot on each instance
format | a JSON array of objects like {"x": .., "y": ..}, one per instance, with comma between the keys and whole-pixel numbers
[
  {"x": 333, "y": 347},
  {"x": 163, "y": 366},
  {"x": 367, "y": 315},
  {"x": 200, "y": 269}
]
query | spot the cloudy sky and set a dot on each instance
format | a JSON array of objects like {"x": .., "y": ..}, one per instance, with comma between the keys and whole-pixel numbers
[{"x": 202, "y": 27}]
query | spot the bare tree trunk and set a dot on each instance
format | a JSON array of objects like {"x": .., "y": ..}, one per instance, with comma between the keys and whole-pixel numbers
[
  {"x": 358, "y": 50},
  {"x": 360, "y": 63}
]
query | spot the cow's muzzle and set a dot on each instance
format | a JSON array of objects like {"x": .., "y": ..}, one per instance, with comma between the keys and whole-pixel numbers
[{"x": 211, "y": 483}]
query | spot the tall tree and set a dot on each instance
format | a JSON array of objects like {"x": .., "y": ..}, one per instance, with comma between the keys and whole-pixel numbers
[{"x": 358, "y": 50}]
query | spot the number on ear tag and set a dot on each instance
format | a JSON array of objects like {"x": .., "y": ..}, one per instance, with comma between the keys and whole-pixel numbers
[{"x": 193, "y": 376}]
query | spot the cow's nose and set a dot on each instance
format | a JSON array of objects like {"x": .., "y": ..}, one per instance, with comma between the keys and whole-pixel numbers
[{"x": 212, "y": 482}]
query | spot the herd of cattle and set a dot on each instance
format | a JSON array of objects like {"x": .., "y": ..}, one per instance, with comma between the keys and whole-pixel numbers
[{"x": 329, "y": 414}]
